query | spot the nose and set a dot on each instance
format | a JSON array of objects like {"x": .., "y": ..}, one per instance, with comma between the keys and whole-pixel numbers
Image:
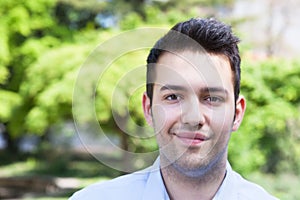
[{"x": 192, "y": 114}]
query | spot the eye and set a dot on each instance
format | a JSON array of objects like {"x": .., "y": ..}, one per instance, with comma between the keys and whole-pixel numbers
[
  {"x": 173, "y": 97},
  {"x": 214, "y": 100}
]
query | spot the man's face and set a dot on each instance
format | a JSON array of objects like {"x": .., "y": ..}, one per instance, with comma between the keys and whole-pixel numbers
[{"x": 193, "y": 109}]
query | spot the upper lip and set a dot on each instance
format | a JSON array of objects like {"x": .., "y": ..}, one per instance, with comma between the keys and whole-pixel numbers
[{"x": 191, "y": 135}]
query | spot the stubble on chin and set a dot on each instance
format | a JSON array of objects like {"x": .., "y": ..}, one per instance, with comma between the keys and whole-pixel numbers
[{"x": 193, "y": 167}]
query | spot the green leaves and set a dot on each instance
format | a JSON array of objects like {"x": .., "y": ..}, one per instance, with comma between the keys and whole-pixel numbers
[
  {"x": 49, "y": 84},
  {"x": 4, "y": 73},
  {"x": 44, "y": 43},
  {"x": 9, "y": 101},
  {"x": 272, "y": 91}
]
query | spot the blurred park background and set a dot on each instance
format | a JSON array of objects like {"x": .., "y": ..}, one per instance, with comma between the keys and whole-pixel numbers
[{"x": 43, "y": 44}]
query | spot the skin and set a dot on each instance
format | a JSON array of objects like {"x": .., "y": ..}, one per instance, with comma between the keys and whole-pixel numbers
[{"x": 193, "y": 114}]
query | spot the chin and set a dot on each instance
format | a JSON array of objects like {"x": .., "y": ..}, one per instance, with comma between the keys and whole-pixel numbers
[
  {"x": 197, "y": 166},
  {"x": 191, "y": 167}
]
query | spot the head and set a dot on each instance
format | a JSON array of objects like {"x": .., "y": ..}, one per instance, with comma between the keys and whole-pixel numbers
[
  {"x": 209, "y": 35},
  {"x": 192, "y": 98}
]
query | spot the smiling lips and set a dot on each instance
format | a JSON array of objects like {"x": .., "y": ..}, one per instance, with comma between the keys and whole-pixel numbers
[{"x": 191, "y": 139}]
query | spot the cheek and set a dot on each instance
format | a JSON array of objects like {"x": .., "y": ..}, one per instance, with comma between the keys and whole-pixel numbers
[
  {"x": 164, "y": 117},
  {"x": 221, "y": 121},
  {"x": 159, "y": 115},
  {"x": 221, "y": 127}
]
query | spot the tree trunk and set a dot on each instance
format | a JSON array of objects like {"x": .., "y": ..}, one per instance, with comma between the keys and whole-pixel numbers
[
  {"x": 125, "y": 142},
  {"x": 11, "y": 144}
]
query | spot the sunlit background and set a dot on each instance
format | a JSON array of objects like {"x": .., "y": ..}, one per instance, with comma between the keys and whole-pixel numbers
[{"x": 43, "y": 45}]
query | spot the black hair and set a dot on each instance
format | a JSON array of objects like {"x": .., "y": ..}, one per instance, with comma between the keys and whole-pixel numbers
[{"x": 197, "y": 34}]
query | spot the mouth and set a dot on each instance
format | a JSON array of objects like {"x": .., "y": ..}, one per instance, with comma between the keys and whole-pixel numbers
[{"x": 191, "y": 139}]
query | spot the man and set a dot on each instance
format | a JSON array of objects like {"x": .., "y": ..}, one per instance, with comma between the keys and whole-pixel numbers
[{"x": 193, "y": 104}]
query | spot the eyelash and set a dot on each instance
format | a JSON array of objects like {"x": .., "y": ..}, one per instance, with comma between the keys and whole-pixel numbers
[
  {"x": 209, "y": 100},
  {"x": 214, "y": 100},
  {"x": 171, "y": 97}
]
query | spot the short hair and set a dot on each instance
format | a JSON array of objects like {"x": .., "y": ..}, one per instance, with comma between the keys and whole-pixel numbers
[{"x": 197, "y": 34}]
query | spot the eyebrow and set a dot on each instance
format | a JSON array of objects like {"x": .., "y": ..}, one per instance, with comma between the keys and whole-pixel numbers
[
  {"x": 202, "y": 90},
  {"x": 173, "y": 87},
  {"x": 214, "y": 90}
]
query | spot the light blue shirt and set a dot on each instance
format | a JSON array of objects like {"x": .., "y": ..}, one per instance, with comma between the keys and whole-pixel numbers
[{"x": 148, "y": 185}]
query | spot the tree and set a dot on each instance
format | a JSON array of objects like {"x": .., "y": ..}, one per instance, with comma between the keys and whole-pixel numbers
[
  {"x": 272, "y": 115},
  {"x": 22, "y": 22}
]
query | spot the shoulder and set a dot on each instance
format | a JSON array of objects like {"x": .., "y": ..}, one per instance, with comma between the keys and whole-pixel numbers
[
  {"x": 250, "y": 191},
  {"x": 124, "y": 187}
]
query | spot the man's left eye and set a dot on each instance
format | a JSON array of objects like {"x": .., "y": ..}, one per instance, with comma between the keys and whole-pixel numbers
[{"x": 214, "y": 99}]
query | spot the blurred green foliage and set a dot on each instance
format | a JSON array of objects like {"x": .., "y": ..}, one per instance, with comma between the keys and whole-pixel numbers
[
  {"x": 268, "y": 137},
  {"x": 44, "y": 43}
]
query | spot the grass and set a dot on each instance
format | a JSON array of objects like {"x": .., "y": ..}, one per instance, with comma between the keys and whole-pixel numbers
[
  {"x": 83, "y": 182},
  {"x": 84, "y": 171}
]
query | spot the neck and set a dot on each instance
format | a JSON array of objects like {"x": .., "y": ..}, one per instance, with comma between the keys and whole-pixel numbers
[{"x": 204, "y": 186}]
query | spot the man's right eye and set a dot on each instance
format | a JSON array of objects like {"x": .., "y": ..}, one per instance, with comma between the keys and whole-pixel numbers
[{"x": 172, "y": 97}]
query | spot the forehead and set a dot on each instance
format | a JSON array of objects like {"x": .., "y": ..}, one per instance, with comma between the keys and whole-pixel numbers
[{"x": 190, "y": 68}]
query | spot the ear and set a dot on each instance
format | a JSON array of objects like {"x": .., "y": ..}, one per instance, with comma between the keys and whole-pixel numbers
[
  {"x": 147, "y": 109},
  {"x": 239, "y": 112}
]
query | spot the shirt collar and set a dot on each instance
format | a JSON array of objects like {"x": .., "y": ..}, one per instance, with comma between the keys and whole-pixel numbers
[
  {"x": 155, "y": 188},
  {"x": 227, "y": 188}
]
